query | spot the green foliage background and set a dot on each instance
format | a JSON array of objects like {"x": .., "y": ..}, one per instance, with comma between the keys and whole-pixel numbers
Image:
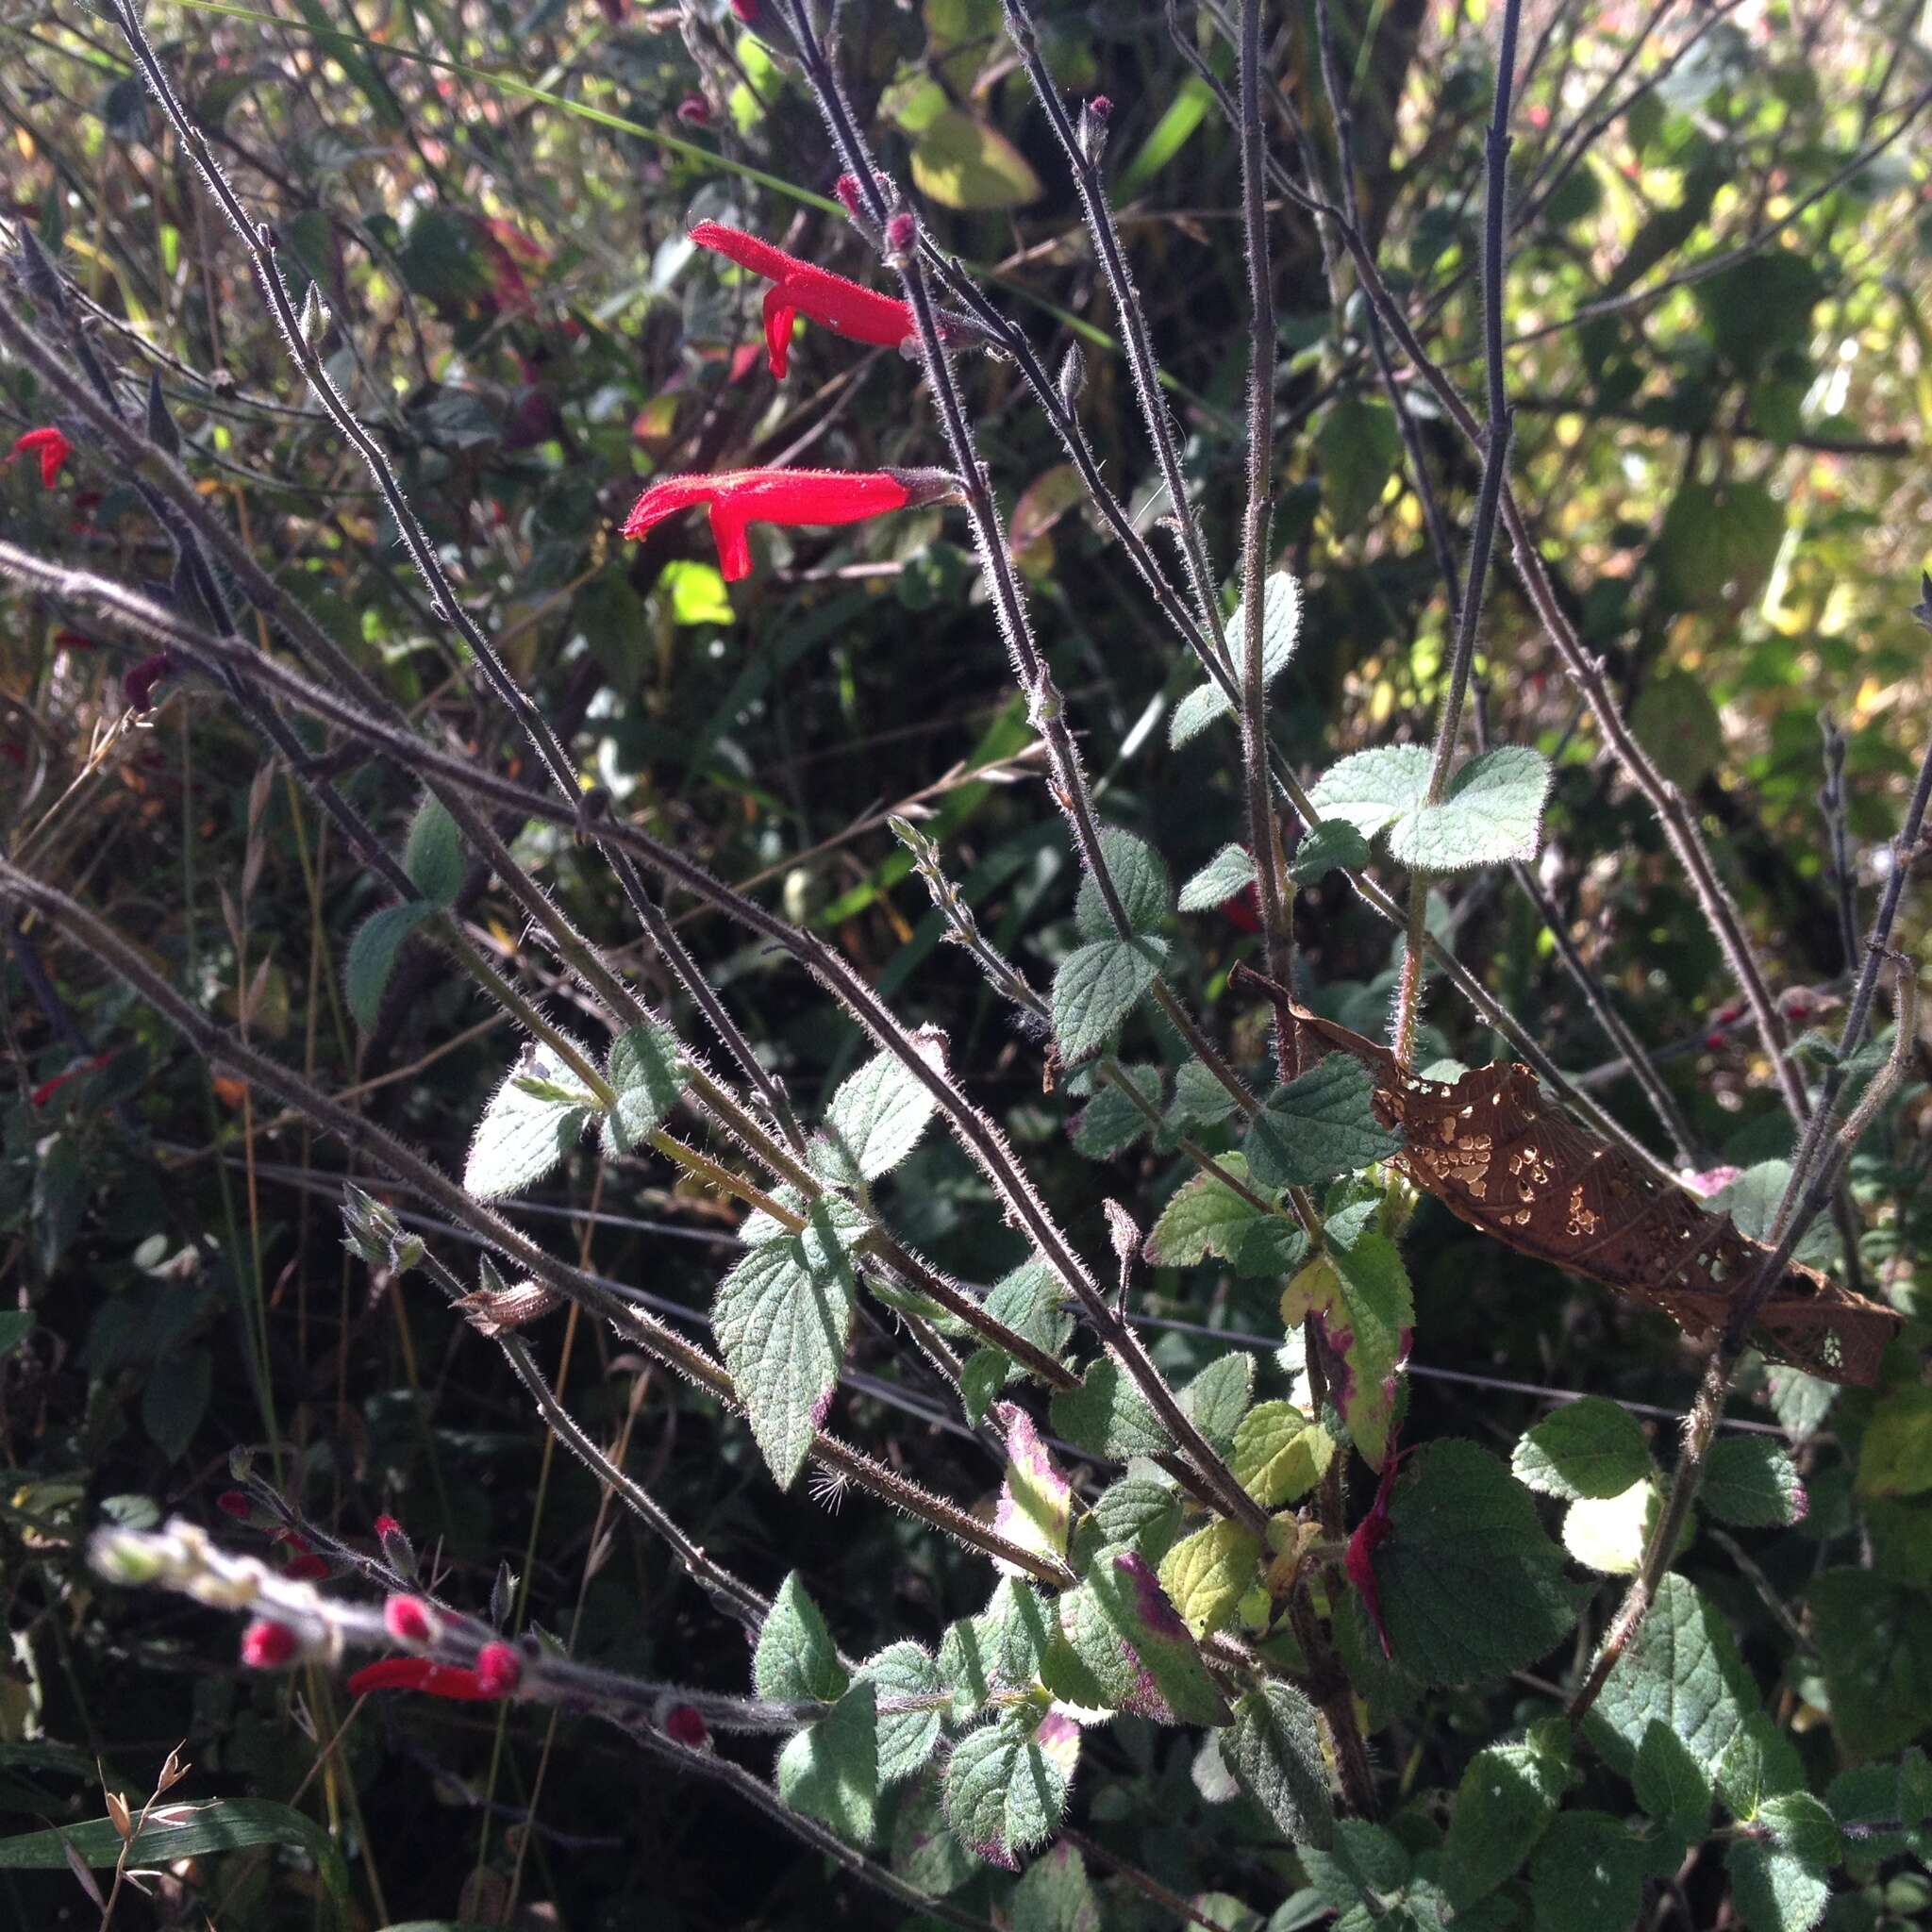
[{"x": 1723, "y": 373}]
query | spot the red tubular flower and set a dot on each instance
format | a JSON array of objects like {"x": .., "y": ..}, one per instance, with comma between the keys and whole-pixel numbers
[
  {"x": 802, "y": 288},
  {"x": 738, "y": 499},
  {"x": 51, "y": 448},
  {"x": 266, "y": 1646},
  {"x": 437, "y": 1680},
  {"x": 305, "y": 1570},
  {"x": 233, "y": 1503},
  {"x": 47, "y": 1089}
]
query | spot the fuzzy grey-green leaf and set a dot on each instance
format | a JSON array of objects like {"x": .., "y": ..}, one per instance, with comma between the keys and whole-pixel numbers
[
  {"x": 1096, "y": 988},
  {"x": 783, "y": 1317},
  {"x": 1218, "y": 880},
  {"x": 831, "y": 1770},
  {"x": 373, "y": 957},
  {"x": 524, "y": 1133},
  {"x": 796, "y": 1660},
  {"x": 647, "y": 1075},
  {"x": 1274, "y": 1747},
  {"x": 1318, "y": 1128}
]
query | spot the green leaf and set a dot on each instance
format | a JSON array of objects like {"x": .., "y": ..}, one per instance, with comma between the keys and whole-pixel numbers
[
  {"x": 1363, "y": 1861},
  {"x": 1096, "y": 988},
  {"x": 1272, "y": 1247},
  {"x": 782, "y": 1317},
  {"x": 1587, "y": 1874},
  {"x": 1491, "y": 812},
  {"x": 1471, "y": 1585},
  {"x": 1207, "y": 1574},
  {"x": 924, "y": 1852},
  {"x": 1318, "y": 1128},
  {"x": 796, "y": 1661},
  {"x": 1895, "y": 1453},
  {"x": 879, "y": 1112},
  {"x": 1281, "y": 622},
  {"x": 831, "y": 1770},
  {"x": 982, "y": 1376},
  {"x": 1205, "y": 1217},
  {"x": 1371, "y": 790},
  {"x": 1358, "y": 1289},
  {"x": 647, "y": 1074},
  {"x": 1801, "y": 1823},
  {"x": 1279, "y": 1454},
  {"x": 1140, "y": 877},
  {"x": 16, "y": 1324},
  {"x": 1589, "y": 1448},
  {"x": 1357, "y": 449},
  {"x": 1751, "y": 1482},
  {"x": 1107, "y": 1416},
  {"x": 1491, "y": 809},
  {"x": 1004, "y": 1792},
  {"x": 1218, "y": 880},
  {"x": 218, "y": 1824},
  {"x": 961, "y": 162},
  {"x": 1130, "y": 1650},
  {"x": 1775, "y": 1891},
  {"x": 1053, "y": 1894},
  {"x": 1035, "y": 1504},
  {"x": 1109, "y": 1124},
  {"x": 998, "y": 1650},
  {"x": 373, "y": 958},
  {"x": 1216, "y": 1399},
  {"x": 1325, "y": 845},
  {"x": 1504, "y": 1804},
  {"x": 176, "y": 1399},
  {"x": 433, "y": 854},
  {"x": 1753, "y": 1200},
  {"x": 1141, "y": 1512},
  {"x": 1676, "y": 720},
  {"x": 1682, "y": 1671},
  {"x": 1717, "y": 545},
  {"x": 523, "y": 1135},
  {"x": 1874, "y": 1641},
  {"x": 1274, "y": 1747},
  {"x": 904, "y": 1672},
  {"x": 1669, "y": 1783},
  {"x": 1199, "y": 1098},
  {"x": 1608, "y": 1533}
]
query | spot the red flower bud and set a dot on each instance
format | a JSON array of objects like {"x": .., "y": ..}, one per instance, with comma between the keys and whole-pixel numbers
[
  {"x": 52, "y": 448},
  {"x": 738, "y": 499},
  {"x": 846, "y": 189},
  {"x": 694, "y": 110},
  {"x": 902, "y": 232},
  {"x": 233, "y": 1503},
  {"x": 387, "y": 1526},
  {"x": 266, "y": 1646},
  {"x": 1101, "y": 108},
  {"x": 410, "y": 1619}
]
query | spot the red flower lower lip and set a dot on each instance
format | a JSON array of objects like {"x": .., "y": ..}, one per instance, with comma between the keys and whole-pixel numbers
[{"x": 799, "y": 498}]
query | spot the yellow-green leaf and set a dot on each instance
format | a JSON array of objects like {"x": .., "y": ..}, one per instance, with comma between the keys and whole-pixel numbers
[{"x": 961, "y": 162}]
